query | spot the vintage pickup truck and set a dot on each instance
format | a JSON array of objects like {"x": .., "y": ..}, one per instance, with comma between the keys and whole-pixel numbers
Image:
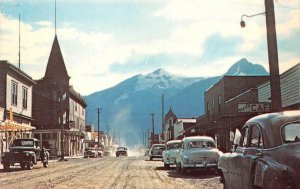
[{"x": 26, "y": 152}]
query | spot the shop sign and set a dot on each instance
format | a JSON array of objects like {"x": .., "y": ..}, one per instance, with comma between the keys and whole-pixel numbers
[{"x": 254, "y": 107}]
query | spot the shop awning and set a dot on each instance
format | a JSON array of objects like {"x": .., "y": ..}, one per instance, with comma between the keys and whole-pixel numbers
[{"x": 14, "y": 126}]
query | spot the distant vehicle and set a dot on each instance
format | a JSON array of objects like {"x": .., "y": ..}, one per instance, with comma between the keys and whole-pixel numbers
[
  {"x": 26, "y": 152},
  {"x": 90, "y": 152},
  {"x": 267, "y": 153},
  {"x": 156, "y": 151},
  {"x": 197, "y": 153},
  {"x": 170, "y": 153},
  {"x": 121, "y": 151}
]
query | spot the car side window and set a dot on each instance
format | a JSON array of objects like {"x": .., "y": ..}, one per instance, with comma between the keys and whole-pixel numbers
[
  {"x": 244, "y": 138},
  {"x": 256, "y": 137}
]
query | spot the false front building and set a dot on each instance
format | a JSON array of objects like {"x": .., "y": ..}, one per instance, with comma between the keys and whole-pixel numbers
[{"x": 58, "y": 110}]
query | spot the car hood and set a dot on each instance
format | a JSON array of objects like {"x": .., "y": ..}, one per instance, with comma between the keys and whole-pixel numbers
[{"x": 21, "y": 149}]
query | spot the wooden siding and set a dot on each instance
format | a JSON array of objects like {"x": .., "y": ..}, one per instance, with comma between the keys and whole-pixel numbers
[{"x": 290, "y": 88}]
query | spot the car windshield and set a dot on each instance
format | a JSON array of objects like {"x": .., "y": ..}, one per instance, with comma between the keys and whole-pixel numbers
[
  {"x": 201, "y": 144},
  {"x": 158, "y": 147},
  {"x": 291, "y": 133},
  {"x": 121, "y": 148},
  {"x": 27, "y": 143},
  {"x": 173, "y": 146}
]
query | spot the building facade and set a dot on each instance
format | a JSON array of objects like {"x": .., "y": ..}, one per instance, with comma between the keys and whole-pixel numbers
[
  {"x": 15, "y": 104},
  {"x": 222, "y": 114},
  {"x": 58, "y": 111}
]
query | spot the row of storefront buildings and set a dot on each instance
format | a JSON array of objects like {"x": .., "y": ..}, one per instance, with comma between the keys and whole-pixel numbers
[
  {"x": 48, "y": 109},
  {"x": 229, "y": 103}
]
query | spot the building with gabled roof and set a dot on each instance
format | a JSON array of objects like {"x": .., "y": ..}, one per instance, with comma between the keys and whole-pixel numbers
[{"x": 58, "y": 110}]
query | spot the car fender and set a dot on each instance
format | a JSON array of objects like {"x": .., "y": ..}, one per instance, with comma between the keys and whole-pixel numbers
[{"x": 269, "y": 174}]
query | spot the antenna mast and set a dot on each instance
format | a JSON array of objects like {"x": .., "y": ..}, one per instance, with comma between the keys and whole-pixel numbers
[
  {"x": 19, "y": 43},
  {"x": 55, "y": 18}
]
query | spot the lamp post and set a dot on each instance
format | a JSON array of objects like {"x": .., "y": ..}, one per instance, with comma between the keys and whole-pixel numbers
[{"x": 272, "y": 54}]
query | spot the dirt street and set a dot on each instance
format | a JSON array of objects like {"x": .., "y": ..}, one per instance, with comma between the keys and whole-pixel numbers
[{"x": 106, "y": 172}]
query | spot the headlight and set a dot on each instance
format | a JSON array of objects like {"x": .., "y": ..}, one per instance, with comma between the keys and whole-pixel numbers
[{"x": 27, "y": 154}]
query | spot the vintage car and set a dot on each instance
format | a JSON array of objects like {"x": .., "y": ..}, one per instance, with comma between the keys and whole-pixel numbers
[
  {"x": 267, "y": 155},
  {"x": 197, "y": 153},
  {"x": 156, "y": 151},
  {"x": 26, "y": 152},
  {"x": 90, "y": 152},
  {"x": 121, "y": 151},
  {"x": 170, "y": 153}
]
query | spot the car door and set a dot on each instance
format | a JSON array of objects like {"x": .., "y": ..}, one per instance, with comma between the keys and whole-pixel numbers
[
  {"x": 252, "y": 151},
  {"x": 235, "y": 162}
]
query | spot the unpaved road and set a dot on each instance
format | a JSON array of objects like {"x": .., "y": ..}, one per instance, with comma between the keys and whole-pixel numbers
[{"x": 106, "y": 172}]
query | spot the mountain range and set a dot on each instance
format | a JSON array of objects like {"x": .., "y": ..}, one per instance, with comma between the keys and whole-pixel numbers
[{"x": 127, "y": 107}]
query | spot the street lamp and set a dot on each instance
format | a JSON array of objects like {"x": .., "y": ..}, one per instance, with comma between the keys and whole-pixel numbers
[{"x": 243, "y": 24}]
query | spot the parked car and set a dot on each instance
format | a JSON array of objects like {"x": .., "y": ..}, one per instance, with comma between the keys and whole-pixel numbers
[
  {"x": 26, "y": 152},
  {"x": 267, "y": 155},
  {"x": 121, "y": 151},
  {"x": 156, "y": 151},
  {"x": 90, "y": 152},
  {"x": 197, "y": 152},
  {"x": 170, "y": 153}
]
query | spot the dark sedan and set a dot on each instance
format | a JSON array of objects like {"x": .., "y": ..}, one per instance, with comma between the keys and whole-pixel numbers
[
  {"x": 121, "y": 151},
  {"x": 267, "y": 155}
]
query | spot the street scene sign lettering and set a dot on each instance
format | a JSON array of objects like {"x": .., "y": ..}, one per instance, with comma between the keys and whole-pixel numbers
[{"x": 254, "y": 107}]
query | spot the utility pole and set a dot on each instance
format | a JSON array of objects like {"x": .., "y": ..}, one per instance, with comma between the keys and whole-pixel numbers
[
  {"x": 98, "y": 113},
  {"x": 148, "y": 139},
  {"x": 162, "y": 115},
  {"x": 273, "y": 56},
  {"x": 107, "y": 130},
  {"x": 152, "y": 136}
]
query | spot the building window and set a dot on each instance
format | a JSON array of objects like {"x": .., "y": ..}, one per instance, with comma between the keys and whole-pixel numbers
[
  {"x": 24, "y": 97},
  {"x": 14, "y": 93},
  {"x": 207, "y": 107},
  {"x": 75, "y": 107},
  {"x": 219, "y": 103},
  {"x": 213, "y": 103}
]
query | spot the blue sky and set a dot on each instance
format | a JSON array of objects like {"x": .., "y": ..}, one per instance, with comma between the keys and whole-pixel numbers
[{"x": 106, "y": 41}]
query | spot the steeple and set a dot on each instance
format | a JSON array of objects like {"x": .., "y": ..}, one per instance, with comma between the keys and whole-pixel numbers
[{"x": 56, "y": 67}]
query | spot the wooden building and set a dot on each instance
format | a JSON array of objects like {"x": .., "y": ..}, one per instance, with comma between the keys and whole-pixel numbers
[
  {"x": 15, "y": 104},
  {"x": 58, "y": 110}
]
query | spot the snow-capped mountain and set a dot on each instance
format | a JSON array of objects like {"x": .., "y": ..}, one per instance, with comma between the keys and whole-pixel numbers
[
  {"x": 244, "y": 67},
  {"x": 126, "y": 107}
]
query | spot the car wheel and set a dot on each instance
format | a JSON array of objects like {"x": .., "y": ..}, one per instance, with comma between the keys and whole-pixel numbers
[
  {"x": 166, "y": 165},
  {"x": 151, "y": 158},
  {"x": 30, "y": 165},
  {"x": 23, "y": 165},
  {"x": 183, "y": 171},
  {"x": 6, "y": 166}
]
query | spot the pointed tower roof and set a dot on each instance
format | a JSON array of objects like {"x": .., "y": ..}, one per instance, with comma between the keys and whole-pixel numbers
[{"x": 56, "y": 66}]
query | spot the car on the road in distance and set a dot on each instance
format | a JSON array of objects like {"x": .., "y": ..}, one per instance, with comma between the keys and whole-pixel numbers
[
  {"x": 121, "y": 151},
  {"x": 156, "y": 151},
  {"x": 197, "y": 153},
  {"x": 170, "y": 153},
  {"x": 90, "y": 152},
  {"x": 267, "y": 153}
]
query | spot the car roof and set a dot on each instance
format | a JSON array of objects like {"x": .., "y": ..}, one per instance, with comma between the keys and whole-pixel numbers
[
  {"x": 173, "y": 141},
  {"x": 271, "y": 124},
  {"x": 196, "y": 138}
]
